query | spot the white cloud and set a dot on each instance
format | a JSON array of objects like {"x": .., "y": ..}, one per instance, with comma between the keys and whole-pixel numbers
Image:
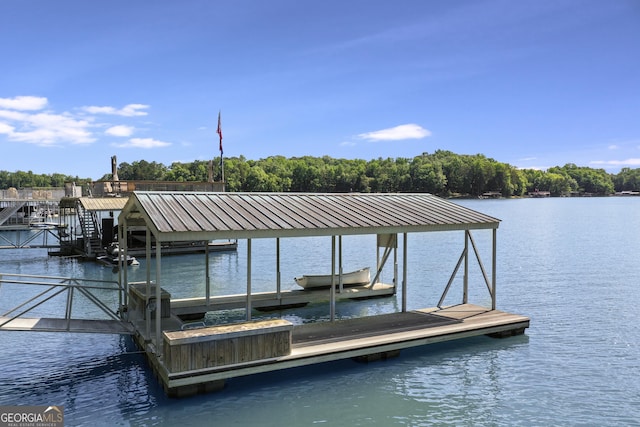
[
  {"x": 143, "y": 143},
  {"x": 22, "y": 103},
  {"x": 6, "y": 129},
  {"x": 45, "y": 129},
  {"x": 613, "y": 147},
  {"x": 13, "y": 115},
  {"x": 25, "y": 119},
  {"x": 129, "y": 110},
  {"x": 120, "y": 130},
  {"x": 398, "y": 133}
]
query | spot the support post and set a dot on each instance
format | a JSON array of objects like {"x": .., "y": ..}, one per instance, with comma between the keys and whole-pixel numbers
[
  {"x": 340, "y": 281},
  {"x": 493, "y": 269},
  {"x": 465, "y": 286},
  {"x": 207, "y": 275},
  {"x": 278, "y": 283},
  {"x": 395, "y": 262},
  {"x": 122, "y": 262},
  {"x": 147, "y": 250},
  {"x": 124, "y": 288},
  {"x": 332, "y": 303},
  {"x": 158, "y": 299},
  {"x": 404, "y": 272},
  {"x": 248, "y": 314}
]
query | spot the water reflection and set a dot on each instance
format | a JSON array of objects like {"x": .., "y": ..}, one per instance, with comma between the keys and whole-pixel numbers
[{"x": 453, "y": 384}]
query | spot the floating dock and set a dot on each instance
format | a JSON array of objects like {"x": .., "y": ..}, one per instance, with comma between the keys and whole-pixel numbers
[
  {"x": 201, "y": 360},
  {"x": 189, "y": 356}
]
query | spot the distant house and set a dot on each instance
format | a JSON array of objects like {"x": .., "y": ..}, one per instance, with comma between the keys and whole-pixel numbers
[
  {"x": 538, "y": 193},
  {"x": 491, "y": 195}
]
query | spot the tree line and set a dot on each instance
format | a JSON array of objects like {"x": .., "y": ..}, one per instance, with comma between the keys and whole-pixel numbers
[
  {"x": 21, "y": 179},
  {"x": 442, "y": 173}
]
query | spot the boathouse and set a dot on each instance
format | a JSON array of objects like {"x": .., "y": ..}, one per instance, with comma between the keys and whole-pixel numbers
[{"x": 190, "y": 360}]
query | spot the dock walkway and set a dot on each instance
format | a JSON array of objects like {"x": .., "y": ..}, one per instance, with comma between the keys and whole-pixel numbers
[
  {"x": 43, "y": 324},
  {"x": 367, "y": 338}
]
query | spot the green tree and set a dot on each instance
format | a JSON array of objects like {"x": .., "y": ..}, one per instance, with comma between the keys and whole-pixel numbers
[{"x": 627, "y": 180}]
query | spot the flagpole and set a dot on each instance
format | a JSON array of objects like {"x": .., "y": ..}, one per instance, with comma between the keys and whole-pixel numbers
[{"x": 219, "y": 132}]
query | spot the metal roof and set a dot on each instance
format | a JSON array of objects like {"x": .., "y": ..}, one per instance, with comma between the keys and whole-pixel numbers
[
  {"x": 103, "y": 203},
  {"x": 95, "y": 203},
  {"x": 197, "y": 216}
]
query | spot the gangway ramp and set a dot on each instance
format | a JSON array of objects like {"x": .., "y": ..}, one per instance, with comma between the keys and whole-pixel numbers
[
  {"x": 87, "y": 305},
  {"x": 66, "y": 325}
]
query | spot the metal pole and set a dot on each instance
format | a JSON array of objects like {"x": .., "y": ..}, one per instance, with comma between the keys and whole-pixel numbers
[
  {"x": 341, "y": 285},
  {"x": 493, "y": 269},
  {"x": 221, "y": 169},
  {"x": 207, "y": 278},
  {"x": 278, "y": 285},
  {"x": 465, "y": 287},
  {"x": 147, "y": 293},
  {"x": 451, "y": 279},
  {"x": 248, "y": 316},
  {"x": 122, "y": 261},
  {"x": 404, "y": 272},
  {"x": 69, "y": 307},
  {"x": 395, "y": 262},
  {"x": 332, "y": 303},
  {"x": 158, "y": 298},
  {"x": 122, "y": 290}
]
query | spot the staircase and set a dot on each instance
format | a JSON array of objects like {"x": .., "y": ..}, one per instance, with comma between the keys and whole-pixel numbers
[
  {"x": 9, "y": 211},
  {"x": 91, "y": 232}
]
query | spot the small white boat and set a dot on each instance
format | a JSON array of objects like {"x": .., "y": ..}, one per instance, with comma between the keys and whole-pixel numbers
[{"x": 352, "y": 278}]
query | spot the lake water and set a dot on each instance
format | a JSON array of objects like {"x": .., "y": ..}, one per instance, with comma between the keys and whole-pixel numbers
[{"x": 571, "y": 265}]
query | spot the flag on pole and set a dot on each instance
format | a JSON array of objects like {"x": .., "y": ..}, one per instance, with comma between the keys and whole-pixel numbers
[{"x": 219, "y": 132}]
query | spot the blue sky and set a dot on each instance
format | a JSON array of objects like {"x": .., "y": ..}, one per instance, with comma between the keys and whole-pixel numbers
[{"x": 531, "y": 83}]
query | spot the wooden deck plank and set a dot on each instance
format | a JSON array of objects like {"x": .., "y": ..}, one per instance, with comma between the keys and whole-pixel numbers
[{"x": 341, "y": 330}]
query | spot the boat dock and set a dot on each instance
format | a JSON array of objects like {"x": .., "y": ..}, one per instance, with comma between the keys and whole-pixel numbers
[
  {"x": 69, "y": 224},
  {"x": 195, "y": 357},
  {"x": 189, "y": 355}
]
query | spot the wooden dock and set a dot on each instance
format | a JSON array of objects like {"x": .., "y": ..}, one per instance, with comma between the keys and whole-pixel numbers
[{"x": 368, "y": 338}]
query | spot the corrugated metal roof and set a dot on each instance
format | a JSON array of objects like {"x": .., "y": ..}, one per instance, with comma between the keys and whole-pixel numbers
[
  {"x": 103, "y": 203},
  {"x": 94, "y": 203},
  {"x": 192, "y": 216}
]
